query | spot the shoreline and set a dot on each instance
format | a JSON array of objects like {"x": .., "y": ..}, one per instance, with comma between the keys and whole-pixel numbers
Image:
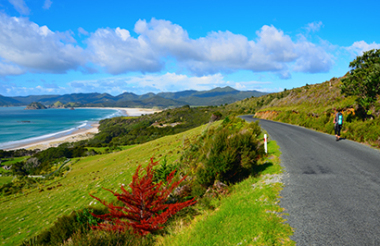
[
  {"x": 74, "y": 136},
  {"x": 78, "y": 134}
]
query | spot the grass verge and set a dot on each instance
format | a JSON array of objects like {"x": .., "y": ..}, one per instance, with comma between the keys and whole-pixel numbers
[{"x": 249, "y": 215}]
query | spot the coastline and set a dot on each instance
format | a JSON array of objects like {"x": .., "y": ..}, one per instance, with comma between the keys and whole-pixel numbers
[
  {"x": 130, "y": 111},
  {"x": 74, "y": 136},
  {"x": 81, "y": 133}
]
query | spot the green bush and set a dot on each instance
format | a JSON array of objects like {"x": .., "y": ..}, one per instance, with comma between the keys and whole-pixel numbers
[
  {"x": 101, "y": 238},
  {"x": 227, "y": 153},
  {"x": 67, "y": 225}
]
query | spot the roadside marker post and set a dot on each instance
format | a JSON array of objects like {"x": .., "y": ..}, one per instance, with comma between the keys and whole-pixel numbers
[{"x": 265, "y": 143}]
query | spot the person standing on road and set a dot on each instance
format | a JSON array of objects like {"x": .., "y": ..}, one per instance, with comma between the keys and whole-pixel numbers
[{"x": 338, "y": 123}]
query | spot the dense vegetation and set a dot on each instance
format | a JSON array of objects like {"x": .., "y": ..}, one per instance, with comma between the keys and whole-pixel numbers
[
  {"x": 136, "y": 130},
  {"x": 363, "y": 81}
]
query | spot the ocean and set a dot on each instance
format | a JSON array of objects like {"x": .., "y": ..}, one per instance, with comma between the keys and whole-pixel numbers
[{"x": 19, "y": 126}]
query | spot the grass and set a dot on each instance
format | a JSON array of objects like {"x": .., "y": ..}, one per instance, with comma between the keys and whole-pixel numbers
[
  {"x": 5, "y": 179},
  {"x": 250, "y": 215},
  {"x": 23, "y": 216},
  {"x": 106, "y": 150}
]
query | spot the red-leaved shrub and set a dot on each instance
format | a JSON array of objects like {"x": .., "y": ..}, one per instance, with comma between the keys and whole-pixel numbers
[{"x": 145, "y": 208}]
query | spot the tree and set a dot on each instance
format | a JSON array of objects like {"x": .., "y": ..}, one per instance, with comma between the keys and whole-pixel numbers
[
  {"x": 363, "y": 80},
  {"x": 146, "y": 208}
]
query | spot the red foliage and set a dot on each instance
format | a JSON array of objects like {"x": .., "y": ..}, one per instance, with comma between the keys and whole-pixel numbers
[{"x": 145, "y": 209}]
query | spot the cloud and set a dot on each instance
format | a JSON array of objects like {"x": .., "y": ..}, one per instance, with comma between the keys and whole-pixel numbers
[
  {"x": 160, "y": 83},
  {"x": 34, "y": 48},
  {"x": 82, "y": 31},
  {"x": 312, "y": 58},
  {"x": 168, "y": 82},
  {"x": 227, "y": 52},
  {"x": 358, "y": 48},
  {"x": 20, "y": 6},
  {"x": 27, "y": 47},
  {"x": 118, "y": 52},
  {"x": 10, "y": 69},
  {"x": 314, "y": 26},
  {"x": 47, "y": 4},
  {"x": 218, "y": 52},
  {"x": 11, "y": 89}
]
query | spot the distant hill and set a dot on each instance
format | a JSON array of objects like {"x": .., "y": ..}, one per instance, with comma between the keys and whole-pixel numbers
[
  {"x": 215, "y": 96},
  {"x": 35, "y": 105},
  {"x": 8, "y": 101}
]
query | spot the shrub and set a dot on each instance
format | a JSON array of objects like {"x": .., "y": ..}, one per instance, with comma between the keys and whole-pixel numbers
[
  {"x": 100, "y": 238},
  {"x": 145, "y": 207},
  {"x": 66, "y": 226},
  {"x": 227, "y": 153},
  {"x": 162, "y": 172}
]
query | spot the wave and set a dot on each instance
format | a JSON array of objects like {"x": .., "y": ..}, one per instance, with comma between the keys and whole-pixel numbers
[
  {"x": 87, "y": 124},
  {"x": 13, "y": 144}
]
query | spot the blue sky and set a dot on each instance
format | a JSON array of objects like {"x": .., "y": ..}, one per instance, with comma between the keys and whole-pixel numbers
[{"x": 65, "y": 46}]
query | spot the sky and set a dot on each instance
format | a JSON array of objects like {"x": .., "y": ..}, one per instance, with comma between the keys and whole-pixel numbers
[{"x": 65, "y": 46}]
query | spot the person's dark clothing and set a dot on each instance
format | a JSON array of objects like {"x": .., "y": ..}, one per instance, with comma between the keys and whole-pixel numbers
[
  {"x": 338, "y": 123},
  {"x": 337, "y": 129}
]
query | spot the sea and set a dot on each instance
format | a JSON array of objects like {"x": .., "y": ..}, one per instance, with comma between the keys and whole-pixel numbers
[{"x": 19, "y": 126}]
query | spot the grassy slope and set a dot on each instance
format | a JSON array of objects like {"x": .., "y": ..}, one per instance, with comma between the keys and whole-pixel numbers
[
  {"x": 312, "y": 107},
  {"x": 250, "y": 215},
  {"x": 317, "y": 99},
  {"x": 23, "y": 216}
]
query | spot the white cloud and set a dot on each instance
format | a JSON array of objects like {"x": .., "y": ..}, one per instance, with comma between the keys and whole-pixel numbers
[
  {"x": 10, "y": 69},
  {"x": 226, "y": 52},
  {"x": 314, "y": 26},
  {"x": 47, "y": 4},
  {"x": 11, "y": 89},
  {"x": 20, "y": 6},
  {"x": 117, "y": 52},
  {"x": 137, "y": 84},
  {"x": 35, "y": 48},
  {"x": 312, "y": 58},
  {"x": 359, "y": 47},
  {"x": 154, "y": 83},
  {"x": 160, "y": 83},
  {"x": 82, "y": 31}
]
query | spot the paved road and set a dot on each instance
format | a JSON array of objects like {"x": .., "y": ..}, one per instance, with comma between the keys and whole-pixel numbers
[{"x": 332, "y": 189}]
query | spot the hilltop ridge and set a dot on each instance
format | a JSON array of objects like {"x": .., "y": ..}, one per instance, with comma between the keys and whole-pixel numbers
[{"x": 216, "y": 96}]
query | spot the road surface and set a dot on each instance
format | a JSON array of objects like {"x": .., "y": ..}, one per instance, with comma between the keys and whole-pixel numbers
[{"x": 332, "y": 189}]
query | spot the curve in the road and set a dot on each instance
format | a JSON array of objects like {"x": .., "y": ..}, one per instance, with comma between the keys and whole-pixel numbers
[{"x": 332, "y": 189}]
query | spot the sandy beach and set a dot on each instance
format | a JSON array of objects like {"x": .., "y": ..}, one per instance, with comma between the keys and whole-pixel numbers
[{"x": 81, "y": 133}]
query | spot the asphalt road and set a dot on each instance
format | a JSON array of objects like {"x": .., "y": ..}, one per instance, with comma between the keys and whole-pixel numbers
[{"x": 332, "y": 189}]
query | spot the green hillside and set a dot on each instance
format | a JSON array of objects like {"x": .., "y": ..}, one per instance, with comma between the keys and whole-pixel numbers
[
  {"x": 28, "y": 214},
  {"x": 216, "y": 96},
  {"x": 312, "y": 106}
]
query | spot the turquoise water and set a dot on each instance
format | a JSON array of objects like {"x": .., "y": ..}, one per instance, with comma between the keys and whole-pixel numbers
[{"x": 19, "y": 126}]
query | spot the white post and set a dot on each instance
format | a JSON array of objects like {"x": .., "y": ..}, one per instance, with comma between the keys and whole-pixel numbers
[{"x": 265, "y": 143}]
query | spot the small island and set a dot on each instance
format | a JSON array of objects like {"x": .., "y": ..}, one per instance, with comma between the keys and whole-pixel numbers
[{"x": 35, "y": 105}]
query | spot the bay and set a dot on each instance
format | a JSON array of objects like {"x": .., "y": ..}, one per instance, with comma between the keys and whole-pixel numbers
[{"x": 24, "y": 126}]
